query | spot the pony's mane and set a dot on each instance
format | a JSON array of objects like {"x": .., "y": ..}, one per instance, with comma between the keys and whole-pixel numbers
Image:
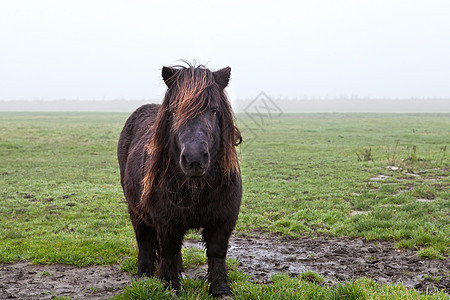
[{"x": 190, "y": 90}]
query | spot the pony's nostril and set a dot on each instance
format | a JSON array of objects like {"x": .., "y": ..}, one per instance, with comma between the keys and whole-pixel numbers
[
  {"x": 183, "y": 159},
  {"x": 206, "y": 155}
]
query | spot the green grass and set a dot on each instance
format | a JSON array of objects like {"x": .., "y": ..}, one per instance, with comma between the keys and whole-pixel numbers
[
  {"x": 61, "y": 199},
  {"x": 282, "y": 287},
  {"x": 305, "y": 174}
]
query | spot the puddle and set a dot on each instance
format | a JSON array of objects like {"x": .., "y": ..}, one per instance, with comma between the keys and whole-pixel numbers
[
  {"x": 424, "y": 200},
  {"x": 393, "y": 168},
  {"x": 358, "y": 212},
  {"x": 379, "y": 177},
  {"x": 412, "y": 174}
]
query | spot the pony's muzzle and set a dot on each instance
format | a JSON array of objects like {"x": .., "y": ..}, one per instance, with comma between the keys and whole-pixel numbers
[{"x": 194, "y": 159}]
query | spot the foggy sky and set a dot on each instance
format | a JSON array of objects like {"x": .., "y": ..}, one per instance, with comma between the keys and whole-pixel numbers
[{"x": 296, "y": 49}]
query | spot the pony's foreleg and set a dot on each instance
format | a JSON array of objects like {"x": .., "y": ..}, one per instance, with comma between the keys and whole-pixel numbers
[
  {"x": 216, "y": 240},
  {"x": 170, "y": 263}
]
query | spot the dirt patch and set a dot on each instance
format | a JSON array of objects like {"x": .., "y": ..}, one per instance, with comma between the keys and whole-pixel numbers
[
  {"x": 26, "y": 281},
  {"x": 337, "y": 259},
  {"x": 333, "y": 258}
]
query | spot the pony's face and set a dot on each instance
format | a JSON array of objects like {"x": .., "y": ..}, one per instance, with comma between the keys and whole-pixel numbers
[
  {"x": 195, "y": 106},
  {"x": 198, "y": 140}
]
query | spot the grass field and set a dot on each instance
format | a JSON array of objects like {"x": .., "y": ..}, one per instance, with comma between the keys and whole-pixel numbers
[
  {"x": 323, "y": 173},
  {"x": 376, "y": 176}
]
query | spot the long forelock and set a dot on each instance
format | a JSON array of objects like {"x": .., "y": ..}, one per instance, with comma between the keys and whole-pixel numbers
[{"x": 190, "y": 94}]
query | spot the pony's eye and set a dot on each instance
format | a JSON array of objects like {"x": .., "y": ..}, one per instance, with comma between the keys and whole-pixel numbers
[{"x": 214, "y": 111}]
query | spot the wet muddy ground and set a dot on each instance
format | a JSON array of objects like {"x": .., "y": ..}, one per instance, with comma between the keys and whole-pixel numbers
[
  {"x": 337, "y": 259},
  {"x": 333, "y": 258},
  {"x": 26, "y": 281}
]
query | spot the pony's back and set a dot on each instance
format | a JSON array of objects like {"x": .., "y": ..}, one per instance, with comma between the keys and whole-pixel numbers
[{"x": 135, "y": 133}]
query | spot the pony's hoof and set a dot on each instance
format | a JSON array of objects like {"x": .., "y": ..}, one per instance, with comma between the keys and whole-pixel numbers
[
  {"x": 224, "y": 297},
  {"x": 145, "y": 270},
  {"x": 172, "y": 284},
  {"x": 220, "y": 290}
]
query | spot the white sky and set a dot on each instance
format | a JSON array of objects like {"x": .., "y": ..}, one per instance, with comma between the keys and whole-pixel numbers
[{"x": 323, "y": 48}]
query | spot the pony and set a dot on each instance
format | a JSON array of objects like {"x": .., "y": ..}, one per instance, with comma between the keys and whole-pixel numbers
[{"x": 179, "y": 170}]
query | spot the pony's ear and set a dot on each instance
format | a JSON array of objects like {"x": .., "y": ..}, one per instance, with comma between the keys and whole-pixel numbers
[
  {"x": 168, "y": 75},
  {"x": 222, "y": 77}
]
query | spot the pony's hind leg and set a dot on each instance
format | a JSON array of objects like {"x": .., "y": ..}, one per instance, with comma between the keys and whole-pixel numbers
[
  {"x": 147, "y": 246},
  {"x": 180, "y": 262}
]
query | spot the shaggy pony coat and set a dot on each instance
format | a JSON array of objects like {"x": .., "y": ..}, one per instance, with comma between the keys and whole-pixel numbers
[{"x": 163, "y": 201}]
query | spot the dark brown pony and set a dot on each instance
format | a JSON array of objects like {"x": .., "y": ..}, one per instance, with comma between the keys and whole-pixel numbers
[{"x": 179, "y": 170}]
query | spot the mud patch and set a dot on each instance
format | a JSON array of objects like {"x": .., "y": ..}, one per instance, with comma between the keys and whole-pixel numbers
[
  {"x": 336, "y": 259},
  {"x": 261, "y": 256},
  {"x": 26, "y": 281}
]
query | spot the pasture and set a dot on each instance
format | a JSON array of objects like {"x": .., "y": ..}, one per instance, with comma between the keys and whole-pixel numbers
[{"x": 378, "y": 179}]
